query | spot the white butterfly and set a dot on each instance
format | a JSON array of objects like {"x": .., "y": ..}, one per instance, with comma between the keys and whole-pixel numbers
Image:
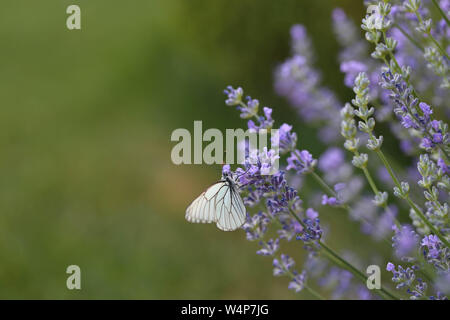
[{"x": 220, "y": 203}]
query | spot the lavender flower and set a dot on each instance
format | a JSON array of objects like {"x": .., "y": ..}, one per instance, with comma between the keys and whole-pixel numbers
[
  {"x": 331, "y": 160},
  {"x": 405, "y": 241},
  {"x": 337, "y": 279},
  {"x": 348, "y": 36},
  {"x": 301, "y": 161},
  {"x": 436, "y": 253},
  {"x": 281, "y": 201},
  {"x": 256, "y": 226},
  {"x": 414, "y": 114},
  {"x": 234, "y": 96},
  {"x": 283, "y": 265},
  {"x": 299, "y": 82},
  {"x": 352, "y": 69},
  {"x": 287, "y": 139},
  {"x": 298, "y": 282},
  {"x": 432, "y": 179},
  {"x": 406, "y": 279},
  {"x": 269, "y": 248}
]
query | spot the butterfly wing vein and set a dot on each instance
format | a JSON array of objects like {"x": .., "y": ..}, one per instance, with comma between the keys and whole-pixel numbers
[{"x": 220, "y": 203}]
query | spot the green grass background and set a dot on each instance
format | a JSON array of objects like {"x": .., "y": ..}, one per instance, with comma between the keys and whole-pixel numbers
[{"x": 86, "y": 117}]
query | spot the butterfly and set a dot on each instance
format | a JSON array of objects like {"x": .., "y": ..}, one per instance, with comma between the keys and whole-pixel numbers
[{"x": 220, "y": 204}]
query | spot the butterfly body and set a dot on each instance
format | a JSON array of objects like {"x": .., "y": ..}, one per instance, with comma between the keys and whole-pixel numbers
[{"x": 220, "y": 204}]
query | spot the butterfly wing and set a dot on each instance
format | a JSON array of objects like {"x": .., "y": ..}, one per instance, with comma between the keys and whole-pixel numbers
[
  {"x": 230, "y": 209},
  {"x": 221, "y": 204},
  {"x": 202, "y": 209}
]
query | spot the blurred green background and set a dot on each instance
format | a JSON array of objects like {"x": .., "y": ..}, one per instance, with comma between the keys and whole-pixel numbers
[{"x": 86, "y": 118}]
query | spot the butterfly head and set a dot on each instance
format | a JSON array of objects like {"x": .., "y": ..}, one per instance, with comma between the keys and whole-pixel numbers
[
  {"x": 228, "y": 176},
  {"x": 226, "y": 171}
]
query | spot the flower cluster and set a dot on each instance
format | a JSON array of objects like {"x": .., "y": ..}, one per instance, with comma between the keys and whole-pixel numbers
[
  {"x": 436, "y": 253},
  {"x": 406, "y": 278},
  {"x": 281, "y": 203},
  {"x": 299, "y": 82},
  {"x": 434, "y": 180},
  {"x": 415, "y": 115},
  {"x": 401, "y": 89}
]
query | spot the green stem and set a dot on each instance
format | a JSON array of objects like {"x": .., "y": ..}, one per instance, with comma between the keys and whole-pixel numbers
[
  {"x": 430, "y": 36},
  {"x": 331, "y": 192},
  {"x": 334, "y": 257},
  {"x": 428, "y": 223},
  {"x": 359, "y": 274},
  {"x": 397, "y": 65},
  {"x": 444, "y": 15},
  {"x": 438, "y": 45},
  {"x": 410, "y": 202},
  {"x": 314, "y": 293},
  {"x": 426, "y": 271},
  {"x": 376, "y": 192},
  {"x": 370, "y": 180},
  {"x": 391, "y": 54},
  {"x": 292, "y": 276},
  {"x": 324, "y": 185},
  {"x": 444, "y": 154},
  {"x": 414, "y": 42},
  {"x": 388, "y": 167}
]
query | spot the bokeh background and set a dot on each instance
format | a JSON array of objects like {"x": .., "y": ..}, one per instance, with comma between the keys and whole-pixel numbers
[{"x": 86, "y": 118}]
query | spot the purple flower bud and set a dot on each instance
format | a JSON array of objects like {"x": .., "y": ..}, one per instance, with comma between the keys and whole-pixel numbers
[
  {"x": 269, "y": 248},
  {"x": 298, "y": 32},
  {"x": 267, "y": 113},
  {"x": 283, "y": 265},
  {"x": 256, "y": 226},
  {"x": 433, "y": 246},
  {"x": 351, "y": 70},
  {"x": 339, "y": 15},
  {"x": 426, "y": 143},
  {"x": 426, "y": 109},
  {"x": 251, "y": 125},
  {"x": 435, "y": 125},
  {"x": 331, "y": 160},
  {"x": 301, "y": 161},
  {"x": 331, "y": 201},
  {"x": 234, "y": 96},
  {"x": 390, "y": 267},
  {"x": 226, "y": 169},
  {"x": 437, "y": 138},
  {"x": 405, "y": 241},
  {"x": 312, "y": 214},
  {"x": 445, "y": 168},
  {"x": 298, "y": 282},
  {"x": 407, "y": 122},
  {"x": 287, "y": 140}
]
